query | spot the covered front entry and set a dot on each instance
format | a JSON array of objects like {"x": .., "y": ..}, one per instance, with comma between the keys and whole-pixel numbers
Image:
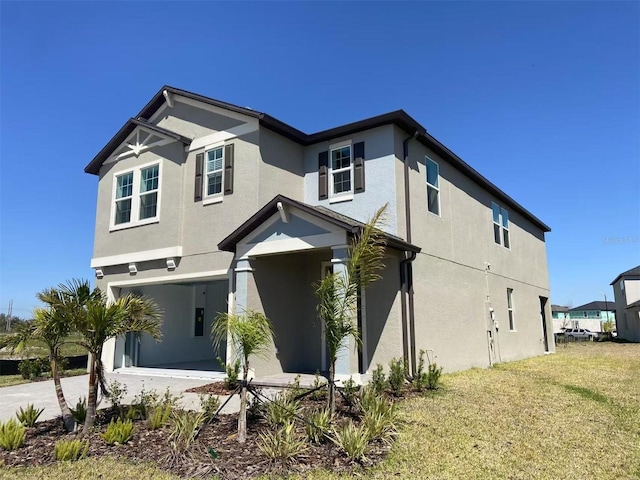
[
  {"x": 189, "y": 311},
  {"x": 281, "y": 253}
]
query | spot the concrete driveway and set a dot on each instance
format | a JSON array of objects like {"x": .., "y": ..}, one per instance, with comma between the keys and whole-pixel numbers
[{"x": 42, "y": 394}]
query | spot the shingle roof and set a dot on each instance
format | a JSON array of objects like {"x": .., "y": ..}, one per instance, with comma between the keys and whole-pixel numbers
[
  {"x": 351, "y": 225},
  {"x": 634, "y": 272},
  {"x": 598, "y": 305},
  {"x": 398, "y": 117}
]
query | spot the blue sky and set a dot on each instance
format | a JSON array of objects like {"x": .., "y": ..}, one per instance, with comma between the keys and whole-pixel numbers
[{"x": 543, "y": 98}]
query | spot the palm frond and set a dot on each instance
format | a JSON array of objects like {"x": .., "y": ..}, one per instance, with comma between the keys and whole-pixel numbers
[{"x": 251, "y": 333}]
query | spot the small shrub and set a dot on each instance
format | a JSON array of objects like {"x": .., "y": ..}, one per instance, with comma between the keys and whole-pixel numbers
[
  {"x": 71, "y": 450},
  {"x": 350, "y": 390},
  {"x": 317, "y": 426},
  {"x": 379, "y": 380},
  {"x": 352, "y": 440},
  {"x": 397, "y": 376},
  {"x": 380, "y": 419},
  {"x": 255, "y": 408},
  {"x": 32, "y": 368},
  {"x": 184, "y": 427},
  {"x": 282, "y": 410},
  {"x": 209, "y": 405},
  {"x": 63, "y": 365},
  {"x": 319, "y": 393},
  {"x": 233, "y": 374},
  {"x": 281, "y": 445},
  {"x": 293, "y": 389},
  {"x": 117, "y": 392},
  {"x": 159, "y": 416},
  {"x": 79, "y": 413},
  {"x": 12, "y": 435},
  {"x": 29, "y": 417},
  {"x": 433, "y": 376},
  {"x": 118, "y": 432},
  {"x": 143, "y": 403}
]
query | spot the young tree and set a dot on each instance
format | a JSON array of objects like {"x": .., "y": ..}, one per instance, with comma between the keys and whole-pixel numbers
[
  {"x": 51, "y": 329},
  {"x": 338, "y": 292},
  {"x": 97, "y": 320},
  {"x": 250, "y": 333}
]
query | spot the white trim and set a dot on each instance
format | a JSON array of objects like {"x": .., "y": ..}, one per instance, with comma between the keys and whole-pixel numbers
[
  {"x": 223, "y": 136},
  {"x": 284, "y": 214},
  {"x": 169, "y": 98},
  {"x": 142, "y": 256},
  {"x": 323, "y": 336},
  {"x": 363, "y": 333},
  {"x": 210, "y": 275},
  {"x": 159, "y": 112},
  {"x": 429, "y": 185},
  {"x": 342, "y": 196},
  {"x": 213, "y": 199},
  {"x": 140, "y": 149},
  {"x": 134, "y": 218},
  {"x": 346, "y": 197},
  {"x": 290, "y": 244}
]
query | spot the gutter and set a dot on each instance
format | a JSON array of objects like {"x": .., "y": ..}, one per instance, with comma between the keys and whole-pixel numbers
[{"x": 406, "y": 272}]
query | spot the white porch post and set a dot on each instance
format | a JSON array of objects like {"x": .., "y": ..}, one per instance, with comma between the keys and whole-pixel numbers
[
  {"x": 242, "y": 271},
  {"x": 343, "y": 358}
]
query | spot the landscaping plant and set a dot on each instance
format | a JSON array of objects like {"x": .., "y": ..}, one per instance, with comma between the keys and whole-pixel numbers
[
  {"x": 71, "y": 450},
  {"x": 352, "y": 440},
  {"x": 338, "y": 292},
  {"x": 350, "y": 391},
  {"x": 397, "y": 376},
  {"x": 233, "y": 373},
  {"x": 118, "y": 432},
  {"x": 184, "y": 428},
  {"x": 209, "y": 405},
  {"x": 249, "y": 333},
  {"x": 317, "y": 426},
  {"x": 282, "y": 445},
  {"x": 12, "y": 435},
  {"x": 51, "y": 327},
  {"x": 96, "y": 320},
  {"x": 282, "y": 409},
  {"x": 380, "y": 419},
  {"x": 379, "y": 380},
  {"x": 117, "y": 392},
  {"x": 29, "y": 417},
  {"x": 79, "y": 413}
]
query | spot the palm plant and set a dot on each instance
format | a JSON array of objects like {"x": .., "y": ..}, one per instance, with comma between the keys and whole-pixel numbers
[
  {"x": 338, "y": 292},
  {"x": 97, "y": 320},
  {"x": 250, "y": 334},
  {"x": 49, "y": 327}
]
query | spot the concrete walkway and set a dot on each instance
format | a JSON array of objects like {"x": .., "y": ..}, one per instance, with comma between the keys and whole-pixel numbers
[{"x": 42, "y": 394}]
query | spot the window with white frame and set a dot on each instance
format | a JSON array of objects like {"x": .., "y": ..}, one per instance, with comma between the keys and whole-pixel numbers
[
  {"x": 510, "y": 309},
  {"x": 433, "y": 186},
  {"x": 500, "y": 225},
  {"x": 215, "y": 172},
  {"x": 341, "y": 171},
  {"x": 136, "y": 196}
]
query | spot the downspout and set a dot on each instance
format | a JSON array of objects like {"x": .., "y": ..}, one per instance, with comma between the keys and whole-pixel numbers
[{"x": 406, "y": 271}]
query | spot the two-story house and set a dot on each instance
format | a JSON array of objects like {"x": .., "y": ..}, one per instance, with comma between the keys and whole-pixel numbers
[
  {"x": 209, "y": 207},
  {"x": 626, "y": 290}
]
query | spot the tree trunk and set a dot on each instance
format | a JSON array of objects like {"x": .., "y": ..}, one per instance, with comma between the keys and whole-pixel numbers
[
  {"x": 331, "y": 398},
  {"x": 67, "y": 417},
  {"x": 93, "y": 397},
  {"x": 242, "y": 415}
]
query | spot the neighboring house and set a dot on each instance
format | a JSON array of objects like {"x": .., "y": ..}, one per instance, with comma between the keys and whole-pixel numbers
[
  {"x": 209, "y": 207},
  {"x": 560, "y": 317},
  {"x": 592, "y": 315},
  {"x": 626, "y": 290}
]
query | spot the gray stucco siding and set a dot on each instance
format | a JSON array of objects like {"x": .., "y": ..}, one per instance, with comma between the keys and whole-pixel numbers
[
  {"x": 281, "y": 170},
  {"x": 380, "y": 178},
  {"x": 165, "y": 233},
  {"x": 193, "y": 122}
]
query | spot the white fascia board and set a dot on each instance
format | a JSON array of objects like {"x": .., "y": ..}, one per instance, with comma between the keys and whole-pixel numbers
[
  {"x": 290, "y": 245},
  {"x": 223, "y": 136},
  {"x": 143, "y": 256}
]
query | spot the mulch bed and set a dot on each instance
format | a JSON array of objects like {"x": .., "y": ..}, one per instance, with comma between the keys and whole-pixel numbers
[
  {"x": 215, "y": 388},
  {"x": 233, "y": 460}
]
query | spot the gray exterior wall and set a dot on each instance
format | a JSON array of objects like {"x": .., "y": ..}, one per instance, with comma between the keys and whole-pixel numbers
[
  {"x": 379, "y": 174},
  {"x": 627, "y": 319}
]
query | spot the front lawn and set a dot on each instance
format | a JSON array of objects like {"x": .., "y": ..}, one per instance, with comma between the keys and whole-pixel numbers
[
  {"x": 571, "y": 415},
  {"x": 10, "y": 380}
]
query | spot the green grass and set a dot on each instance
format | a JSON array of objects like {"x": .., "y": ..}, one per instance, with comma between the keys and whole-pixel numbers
[
  {"x": 10, "y": 380},
  {"x": 36, "y": 348},
  {"x": 572, "y": 415}
]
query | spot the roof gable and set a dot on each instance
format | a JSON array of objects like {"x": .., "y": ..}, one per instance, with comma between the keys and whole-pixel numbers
[{"x": 634, "y": 272}]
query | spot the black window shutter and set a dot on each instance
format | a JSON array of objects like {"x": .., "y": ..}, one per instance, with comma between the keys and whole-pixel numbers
[
  {"x": 197, "y": 189},
  {"x": 323, "y": 175},
  {"x": 358, "y": 167},
  {"x": 228, "y": 169}
]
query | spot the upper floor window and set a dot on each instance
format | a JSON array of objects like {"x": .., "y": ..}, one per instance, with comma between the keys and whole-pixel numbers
[
  {"x": 215, "y": 171},
  {"x": 433, "y": 186},
  {"x": 500, "y": 225},
  {"x": 136, "y": 197},
  {"x": 341, "y": 171}
]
